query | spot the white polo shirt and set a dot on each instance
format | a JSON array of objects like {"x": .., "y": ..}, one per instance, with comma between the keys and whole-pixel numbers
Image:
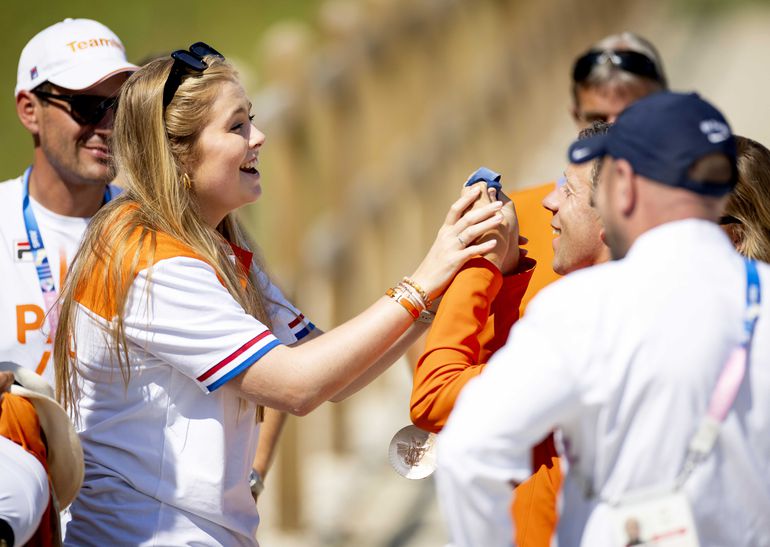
[
  {"x": 623, "y": 358},
  {"x": 24, "y": 329},
  {"x": 169, "y": 453}
]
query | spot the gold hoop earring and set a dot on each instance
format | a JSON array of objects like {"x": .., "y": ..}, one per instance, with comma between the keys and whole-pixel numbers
[{"x": 186, "y": 181}]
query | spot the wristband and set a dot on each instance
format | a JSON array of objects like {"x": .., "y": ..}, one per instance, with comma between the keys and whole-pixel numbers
[{"x": 256, "y": 485}]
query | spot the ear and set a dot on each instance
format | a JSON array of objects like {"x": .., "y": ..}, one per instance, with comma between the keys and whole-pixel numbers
[
  {"x": 28, "y": 110},
  {"x": 575, "y": 113},
  {"x": 626, "y": 190}
]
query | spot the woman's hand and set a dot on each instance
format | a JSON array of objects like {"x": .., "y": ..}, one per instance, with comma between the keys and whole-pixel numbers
[{"x": 456, "y": 241}]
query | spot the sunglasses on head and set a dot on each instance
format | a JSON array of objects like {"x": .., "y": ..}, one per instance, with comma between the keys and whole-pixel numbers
[
  {"x": 627, "y": 61},
  {"x": 84, "y": 109},
  {"x": 185, "y": 61}
]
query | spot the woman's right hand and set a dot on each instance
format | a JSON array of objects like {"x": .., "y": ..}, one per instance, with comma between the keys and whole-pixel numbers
[{"x": 456, "y": 241}]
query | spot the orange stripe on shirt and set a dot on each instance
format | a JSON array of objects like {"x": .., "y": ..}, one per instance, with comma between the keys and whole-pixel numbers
[{"x": 96, "y": 292}]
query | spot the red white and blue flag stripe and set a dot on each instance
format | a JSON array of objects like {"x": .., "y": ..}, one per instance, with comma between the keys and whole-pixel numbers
[
  {"x": 300, "y": 327},
  {"x": 238, "y": 361}
]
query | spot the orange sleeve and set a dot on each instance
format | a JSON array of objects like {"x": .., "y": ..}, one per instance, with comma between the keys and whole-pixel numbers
[
  {"x": 462, "y": 336},
  {"x": 505, "y": 309},
  {"x": 19, "y": 423}
]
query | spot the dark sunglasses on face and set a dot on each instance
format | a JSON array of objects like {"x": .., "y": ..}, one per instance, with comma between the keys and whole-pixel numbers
[
  {"x": 84, "y": 109},
  {"x": 728, "y": 219},
  {"x": 185, "y": 61},
  {"x": 627, "y": 61}
]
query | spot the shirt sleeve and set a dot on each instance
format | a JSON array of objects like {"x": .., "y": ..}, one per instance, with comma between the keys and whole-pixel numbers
[
  {"x": 289, "y": 324},
  {"x": 484, "y": 449},
  {"x": 504, "y": 311},
  {"x": 179, "y": 312},
  {"x": 462, "y": 337}
]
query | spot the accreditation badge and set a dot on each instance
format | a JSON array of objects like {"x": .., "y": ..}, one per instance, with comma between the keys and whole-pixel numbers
[{"x": 660, "y": 519}]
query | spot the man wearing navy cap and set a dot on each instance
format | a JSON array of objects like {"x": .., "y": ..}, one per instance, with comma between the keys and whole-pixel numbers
[{"x": 663, "y": 398}]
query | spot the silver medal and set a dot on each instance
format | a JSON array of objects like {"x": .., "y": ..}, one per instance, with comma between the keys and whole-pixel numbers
[{"x": 412, "y": 452}]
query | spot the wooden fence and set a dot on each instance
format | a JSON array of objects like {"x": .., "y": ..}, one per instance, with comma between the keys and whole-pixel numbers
[{"x": 374, "y": 117}]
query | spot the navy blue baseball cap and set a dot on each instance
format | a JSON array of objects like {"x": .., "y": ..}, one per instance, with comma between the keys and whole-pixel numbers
[{"x": 662, "y": 136}]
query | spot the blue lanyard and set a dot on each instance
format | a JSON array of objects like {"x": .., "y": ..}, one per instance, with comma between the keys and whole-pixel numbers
[
  {"x": 753, "y": 299},
  {"x": 39, "y": 255}
]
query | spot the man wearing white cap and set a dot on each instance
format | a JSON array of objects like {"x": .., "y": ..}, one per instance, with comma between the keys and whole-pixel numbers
[{"x": 68, "y": 79}]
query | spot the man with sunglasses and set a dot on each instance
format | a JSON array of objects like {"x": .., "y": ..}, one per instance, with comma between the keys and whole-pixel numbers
[
  {"x": 68, "y": 79},
  {"x": 613, "y": 73}
]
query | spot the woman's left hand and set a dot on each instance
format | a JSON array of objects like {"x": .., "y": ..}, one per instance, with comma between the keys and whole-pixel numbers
[{"x": 456, "y": 241}]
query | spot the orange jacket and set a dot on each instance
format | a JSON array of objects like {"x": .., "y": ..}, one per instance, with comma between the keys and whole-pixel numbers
[{"x": 473, "y": 321}]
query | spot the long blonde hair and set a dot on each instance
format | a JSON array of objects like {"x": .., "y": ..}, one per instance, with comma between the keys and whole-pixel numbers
[{"x": 154, "y": 151}]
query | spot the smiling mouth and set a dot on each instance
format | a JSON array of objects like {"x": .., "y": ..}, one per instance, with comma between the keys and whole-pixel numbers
[
  {"x": 556, "y": 231},
  {"x": 250, "y": 167}
]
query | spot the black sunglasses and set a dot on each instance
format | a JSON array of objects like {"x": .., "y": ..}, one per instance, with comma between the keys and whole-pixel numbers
[
  {"x": 84, "y": 109},
  {"x": 627, "y": 61},
  {"x": 184, "y": 61},
  {"x": 728, "y": 219}
]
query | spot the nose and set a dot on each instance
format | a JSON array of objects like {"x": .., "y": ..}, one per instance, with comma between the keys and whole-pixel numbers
[
  {"x": 551, "y": 201},
  {"x": 256, "y": 137},
  {"x": 105, "y": 124}
]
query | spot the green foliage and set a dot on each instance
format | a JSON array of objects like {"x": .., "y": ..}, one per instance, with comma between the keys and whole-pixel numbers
[
  {"x": 712, "y": 7},
  {"x": 147, "y": 28}
]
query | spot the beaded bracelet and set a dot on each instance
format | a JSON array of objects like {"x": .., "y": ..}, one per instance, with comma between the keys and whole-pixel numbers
[{"x": 409, "y": 281}]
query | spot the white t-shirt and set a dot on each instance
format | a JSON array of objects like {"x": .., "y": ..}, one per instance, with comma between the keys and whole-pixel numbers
[
  {"x": 24, "y": 328},
  {"x": 168, "y": 455},
  {"x": 23, "y": 490},
  {"x": 623, "y": 357}
]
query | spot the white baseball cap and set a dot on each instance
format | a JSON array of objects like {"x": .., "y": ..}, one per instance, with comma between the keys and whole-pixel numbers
[{"x": 74, "y": 54}]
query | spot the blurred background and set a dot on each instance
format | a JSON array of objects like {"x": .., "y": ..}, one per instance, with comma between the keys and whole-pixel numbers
[{"x": 375, "y": 111}]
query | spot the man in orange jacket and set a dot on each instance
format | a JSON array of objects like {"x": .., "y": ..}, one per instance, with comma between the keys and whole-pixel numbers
[
  {"x": 613, "y": 73},
  {"x": 477, "y": 313}
]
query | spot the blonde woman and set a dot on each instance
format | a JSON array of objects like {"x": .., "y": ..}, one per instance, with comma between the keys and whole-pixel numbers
[{"x": 166, "y": 345}]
